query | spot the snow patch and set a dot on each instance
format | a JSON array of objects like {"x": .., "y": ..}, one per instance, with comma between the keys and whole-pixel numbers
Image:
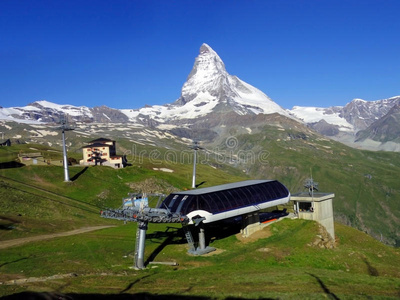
[
  {"x": 164, "y": 170},
  {"x": 316, "y": 114}
]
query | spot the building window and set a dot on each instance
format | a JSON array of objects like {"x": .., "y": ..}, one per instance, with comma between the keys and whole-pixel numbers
[{"x": 305, "y": 207}]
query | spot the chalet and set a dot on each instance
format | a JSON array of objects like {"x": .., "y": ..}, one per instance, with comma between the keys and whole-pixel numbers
[{"x": 101, "y": 151}]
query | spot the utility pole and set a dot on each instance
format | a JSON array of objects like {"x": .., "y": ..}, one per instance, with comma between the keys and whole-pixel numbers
[
  {"x": 195, "y": 146},
  {"x": 64, "y": 127}
]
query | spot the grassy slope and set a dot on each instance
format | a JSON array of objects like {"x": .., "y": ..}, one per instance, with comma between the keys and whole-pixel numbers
[
  {"x": 282, "y": 264},
  {"x": 365, "y": 183},
  {"x": 27, "y": 209}
]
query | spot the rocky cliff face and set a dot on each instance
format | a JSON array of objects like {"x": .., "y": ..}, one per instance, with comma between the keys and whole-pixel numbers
[
  {"x": 363, "y": 113},
  {"x": 385, "y": 129},
  {"x": 359, "y": 123}
]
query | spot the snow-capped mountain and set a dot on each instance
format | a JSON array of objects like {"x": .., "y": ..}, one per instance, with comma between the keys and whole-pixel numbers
[
  {"x": 351, "y": 118},
  {"x": 330, "y": 117},
  {"x": 385, "y": 129},
  {"x": 360, "y": 123},
  {"x": 212, "y": 99},
  {"x": 47, "y": 112},
  {"x": 209, "y": 88},
  {"x": 209, "y": 82}
]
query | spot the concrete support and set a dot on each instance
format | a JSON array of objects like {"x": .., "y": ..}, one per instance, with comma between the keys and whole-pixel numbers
[
  {"x": 202, "y": 238},
  {"x": 65, "y": 160},
  {"x": 317, "y": 207},
  {"x": 202, "y": 247},
  {"x": 140, "y": 245},
  {"x": 250, "y": 224}
]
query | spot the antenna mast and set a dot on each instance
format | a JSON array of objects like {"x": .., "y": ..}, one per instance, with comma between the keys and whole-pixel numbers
[{"x": 311, "y": 185}]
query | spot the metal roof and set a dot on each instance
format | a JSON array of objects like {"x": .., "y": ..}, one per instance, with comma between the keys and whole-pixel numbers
[
  {"x": 96, "y": 145},
  {"x": 99, "y": 140},
  {"x": 222, "y": 187}
]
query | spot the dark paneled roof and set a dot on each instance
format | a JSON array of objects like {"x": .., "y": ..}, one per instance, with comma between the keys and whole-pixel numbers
[
  {"x": 96, "y": 145},
  {"x": 222, "y": 187},
  {"x": 100, "y": 140},
  {"x": 226, "y": 197}
]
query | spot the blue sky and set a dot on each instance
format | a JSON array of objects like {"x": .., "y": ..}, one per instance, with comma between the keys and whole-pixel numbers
[{"x": 126, "y": 54}]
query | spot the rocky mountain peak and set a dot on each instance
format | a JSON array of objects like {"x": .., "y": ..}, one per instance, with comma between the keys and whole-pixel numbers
[
  {"x": 210, "y": 85},
  {"x": 205, "y": 49},
  {"x": 209, "y": 89},
  {"x": 395, "y": 109},
  {"x": 207, "y": 71},
  {"x": 363, "y": 113}
]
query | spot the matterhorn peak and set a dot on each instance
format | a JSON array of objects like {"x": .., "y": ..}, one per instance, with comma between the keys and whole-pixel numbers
[
  {"x": 206, "y": 49},
  {"x": 210, "y": 89},
  {"x": 207, "y": 66},
  {"x": 209, "y": 83}
]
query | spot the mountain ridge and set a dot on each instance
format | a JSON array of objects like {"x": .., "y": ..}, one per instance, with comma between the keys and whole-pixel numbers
[{"x": 210, "y": 92}]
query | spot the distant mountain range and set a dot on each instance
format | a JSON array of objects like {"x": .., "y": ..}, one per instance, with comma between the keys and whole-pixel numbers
[
  {"x": 357, "y": 124},
  {"x": 211, "y": 98}
]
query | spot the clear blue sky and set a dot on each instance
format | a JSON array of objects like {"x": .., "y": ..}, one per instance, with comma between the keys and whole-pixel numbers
[{"x": 126, "y": 53}]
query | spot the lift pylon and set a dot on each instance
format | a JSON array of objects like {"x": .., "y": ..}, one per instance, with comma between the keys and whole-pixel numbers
[{"x": 143, "y": 215}]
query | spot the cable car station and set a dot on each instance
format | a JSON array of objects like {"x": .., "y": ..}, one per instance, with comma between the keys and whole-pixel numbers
[{"x": 199, "y": 207}]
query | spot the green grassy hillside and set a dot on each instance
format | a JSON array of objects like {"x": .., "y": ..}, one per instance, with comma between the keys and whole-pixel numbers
[
  {"x": 365, "y": 183},
  {"x": 36, "y": 200},
  {"x": 281, "y": 263}
]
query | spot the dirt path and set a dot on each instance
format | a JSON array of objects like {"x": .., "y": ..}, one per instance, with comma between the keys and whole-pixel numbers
[{"x": 17, "y": 242}]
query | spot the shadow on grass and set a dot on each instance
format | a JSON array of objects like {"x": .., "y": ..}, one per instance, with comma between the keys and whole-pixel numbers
[
  {"x": 215, "y": 231},
  {"x": 172, "y": 236},
  {"x": 11, "y": 165},
  {"x": 8, "y": 226},
  {"x": 7, "y": 223},
  {"x": 371, "y": 270},
  {"x": 76, "y": 176},
  {"x": 324, "y": 287},
  {"x": 138, "y": 296},
  {"x": 132, "y": 284},
  {"x": 14, "y": 261}
]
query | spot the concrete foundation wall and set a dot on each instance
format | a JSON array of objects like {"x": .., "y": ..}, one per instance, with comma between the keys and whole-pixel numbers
[{"x": 322, "y": 210}]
